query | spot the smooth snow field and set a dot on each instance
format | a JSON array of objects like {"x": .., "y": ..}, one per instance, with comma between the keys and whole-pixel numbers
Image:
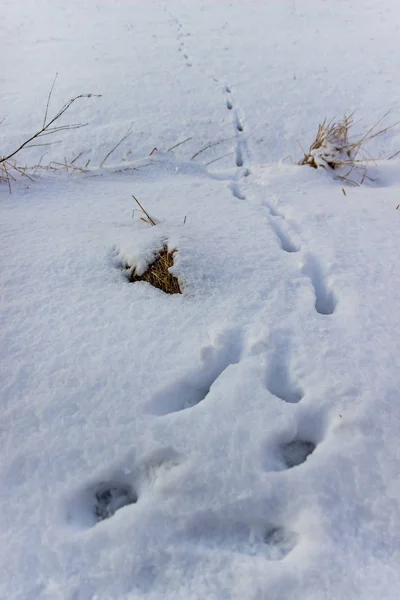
[{"x": 240, "y": 440}]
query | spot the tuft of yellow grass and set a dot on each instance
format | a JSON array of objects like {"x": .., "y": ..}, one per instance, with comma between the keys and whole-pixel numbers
[{"x": 158, "y": 273}]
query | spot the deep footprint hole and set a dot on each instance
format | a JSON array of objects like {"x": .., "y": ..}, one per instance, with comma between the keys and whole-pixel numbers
[
  {"x": 296, "y": 452},
  {"x": 110, "y": 497},
  {"x": 280, "y": 542},
  {"x": 239, "y": 161},
  {"x": 281, "y": 386},
  {"x": 325, "y": 304}
]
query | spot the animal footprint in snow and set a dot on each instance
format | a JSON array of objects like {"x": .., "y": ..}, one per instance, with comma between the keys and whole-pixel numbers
[
  {"x": 296, "y": 452},
  {"x": 287, "y": 243},
  {"x": 295, "y": 447},
  {"x": 279, "y": 380},
  {"x": 110, "y": 497},
  {"x": 280, "y": 542},
  {"x": 271, "y": 542},
  {"x": 99, "y": 501},
  {"x": 122, "y": 486},
  {"x": 195, "y": 386},
  {"x": 325, "y": 300}
]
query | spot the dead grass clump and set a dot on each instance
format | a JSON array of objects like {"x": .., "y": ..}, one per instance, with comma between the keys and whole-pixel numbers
[
  {"x": 335, "y": 150},
  {"x": 158, "y": 273}
]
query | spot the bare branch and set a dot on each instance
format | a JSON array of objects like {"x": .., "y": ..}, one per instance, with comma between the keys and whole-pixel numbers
[{"x": 47, "y": 129}]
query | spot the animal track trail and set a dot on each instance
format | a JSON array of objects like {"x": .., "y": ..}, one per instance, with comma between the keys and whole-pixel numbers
[
  {"x": 325, "y": 300},
  {"x": 193, "y": 388},
  {"x": 242, "y": 154},
  {"x": 181, "y": 45}
]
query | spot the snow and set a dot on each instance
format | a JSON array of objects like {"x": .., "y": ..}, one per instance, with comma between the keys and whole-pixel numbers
[{"x": 238, "y": 440}]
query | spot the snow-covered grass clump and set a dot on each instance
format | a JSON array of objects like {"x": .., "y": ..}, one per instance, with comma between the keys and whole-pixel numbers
[{"x": 335, "y": 150}]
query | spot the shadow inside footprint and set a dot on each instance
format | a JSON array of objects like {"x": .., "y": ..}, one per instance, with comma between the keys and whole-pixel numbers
[
  {"x": 110, "y": 497},
  {"x": 296, "y": 452},
  {"x": 325, "y": 300},
  {"x": 270, "y": 541},
  {"x": 280, "y": 385},
  {"x": 280, "y": 542},
  {"x": 287, "y": 244}
]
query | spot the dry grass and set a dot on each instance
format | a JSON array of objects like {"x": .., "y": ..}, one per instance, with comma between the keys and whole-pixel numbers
[
  {"x": 335, "y": 150},
  {"x": 9, "y": 170},
  {"x": 158, "y": 273}
]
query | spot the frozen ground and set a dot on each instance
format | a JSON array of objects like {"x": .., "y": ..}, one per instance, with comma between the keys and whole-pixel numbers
[{"x": 238, "y": 441}]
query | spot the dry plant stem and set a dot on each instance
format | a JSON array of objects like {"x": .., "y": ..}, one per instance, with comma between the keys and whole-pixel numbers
[
  {"x": 393, "y": 155},
  {"x": 211, "y": 145},
  {"x": 76, "y": 157},
  {"x": 179, "y": 144},
  {"x": 127, "y": 134},
  {"x": 48, "y": 99},
  {"x": 150, "y": 220},
  {"x": 219, "y": 158}
]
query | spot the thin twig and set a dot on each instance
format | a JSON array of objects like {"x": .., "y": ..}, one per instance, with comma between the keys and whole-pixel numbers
[
  {"x": 211, "y": 145},
  {"x": 48, "y": 100},
  {"x": 128, "y": 133},
  {"x": 76, "y": 157},
  {"x": 39, "y": 164},
  {"x": 44, "y": 144},
  {"x": 179, "y": 144},
  {"x": 393, "y": 155},
  {"x": 219, "y": 158}
]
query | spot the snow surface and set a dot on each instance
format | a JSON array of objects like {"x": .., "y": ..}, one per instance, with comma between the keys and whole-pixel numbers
[{"x": 240, "y": 440}]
